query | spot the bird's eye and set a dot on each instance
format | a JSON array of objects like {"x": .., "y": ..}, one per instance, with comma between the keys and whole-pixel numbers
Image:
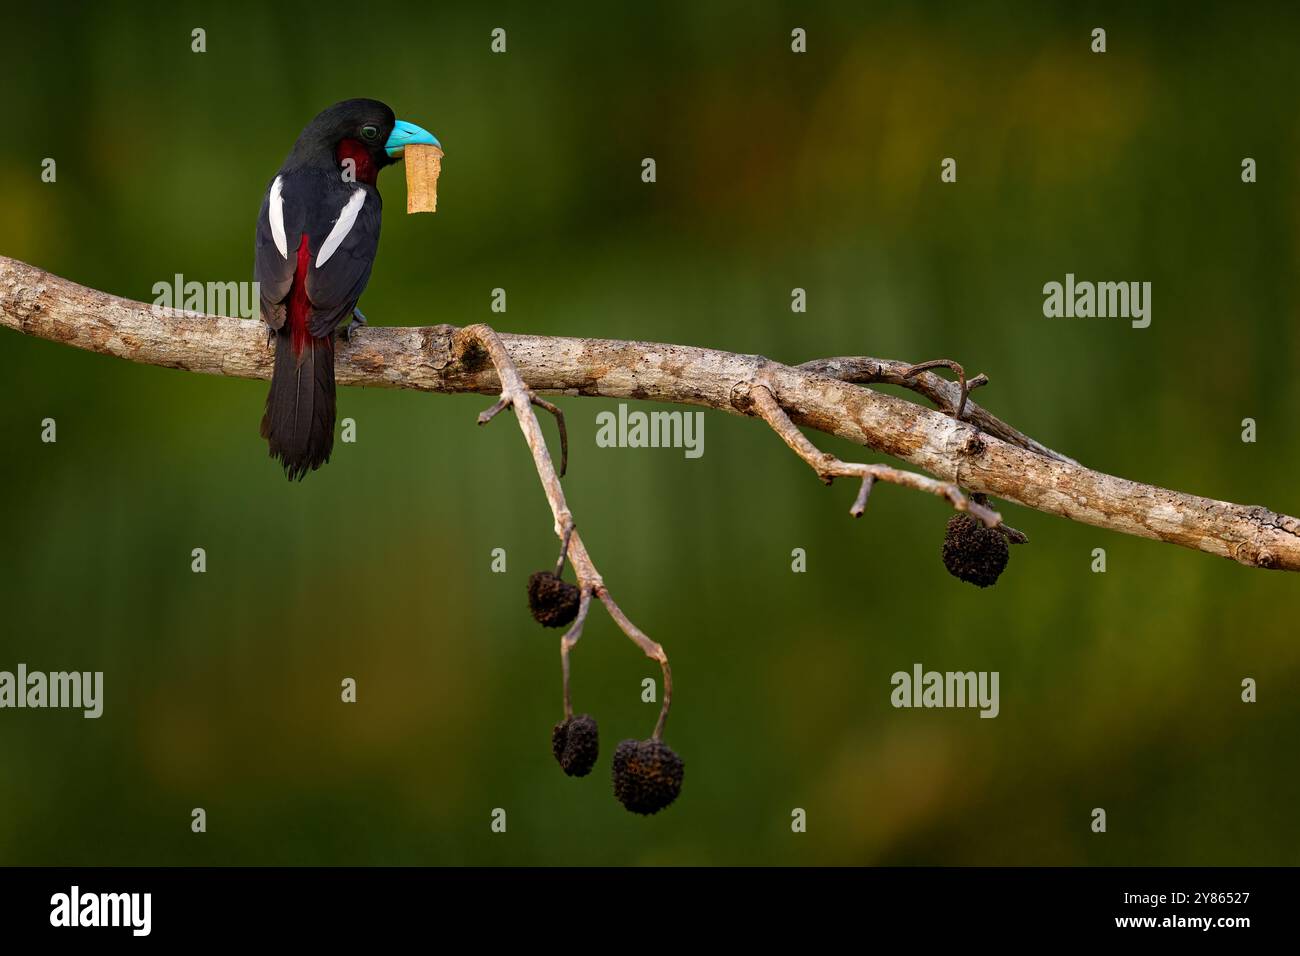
[{"x": 369, "y": 133}]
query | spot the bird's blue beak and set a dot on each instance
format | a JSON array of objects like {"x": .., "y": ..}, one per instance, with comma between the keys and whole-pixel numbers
[{"x": 408, "y": 134}]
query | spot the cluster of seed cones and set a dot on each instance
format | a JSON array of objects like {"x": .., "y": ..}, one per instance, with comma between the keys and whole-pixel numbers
[{"x": 647, "y": 773}]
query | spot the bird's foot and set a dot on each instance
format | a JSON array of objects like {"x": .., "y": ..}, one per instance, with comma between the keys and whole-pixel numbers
[{"x": 357, "y": 320}]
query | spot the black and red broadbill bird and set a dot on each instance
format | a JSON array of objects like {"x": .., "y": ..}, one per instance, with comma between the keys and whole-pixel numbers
[{"x": 317, "y": 236}]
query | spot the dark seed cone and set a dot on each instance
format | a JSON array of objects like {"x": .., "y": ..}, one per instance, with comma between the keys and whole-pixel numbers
[
  {"x": 575, "y": 741},
  {"x": 552, "y": 600},
  {"x": 647, "y": 775},
  {"x": 973, "y": 552}
]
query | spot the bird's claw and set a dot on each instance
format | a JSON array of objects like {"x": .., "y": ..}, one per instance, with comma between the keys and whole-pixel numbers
[{"x": 357, "y": 320}]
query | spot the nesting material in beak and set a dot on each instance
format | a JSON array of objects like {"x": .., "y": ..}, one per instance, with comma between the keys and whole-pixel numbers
[{"x": 423, "y": 166}]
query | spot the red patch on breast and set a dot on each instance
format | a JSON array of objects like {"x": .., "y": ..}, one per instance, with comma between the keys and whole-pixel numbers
[
  {"x": 299, "y": 304},
  {"x": 366, "y": 171}
]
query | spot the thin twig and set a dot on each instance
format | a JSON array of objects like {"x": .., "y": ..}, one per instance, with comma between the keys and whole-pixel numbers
[
  {"x": 860, "y": 504},
  {"x": 866, "y": 370},
  {"x": 957, "y": 370},
  {"x": 652, "y": 650},
  {"x": 571, "y": 637},
  {"x": 500, "y": 405},
  {"x": 565, "y": 535},
  {"x": 564, "y": 432},
  {"x": 829, "y": 467},
  {"x": 516, "y": 393}
]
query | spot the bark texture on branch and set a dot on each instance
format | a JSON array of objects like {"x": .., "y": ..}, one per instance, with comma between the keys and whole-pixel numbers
[{"x": 994, "y": 458}]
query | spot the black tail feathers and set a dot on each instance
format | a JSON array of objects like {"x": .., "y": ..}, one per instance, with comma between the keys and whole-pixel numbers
[{"x": 299, "y": 421}]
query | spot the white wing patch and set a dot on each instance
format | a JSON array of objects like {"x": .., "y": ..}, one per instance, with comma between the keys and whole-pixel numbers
[
  {"x": 342, "y": 226},
  {"x": 275, "y": 213}
]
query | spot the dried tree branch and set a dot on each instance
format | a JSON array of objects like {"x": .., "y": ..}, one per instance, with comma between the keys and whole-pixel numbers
[
  {"x": 865, "y": 370},
  {"x": 977, "y": 454},
  {"x": 829, "y": 467},
  {"x": 515, "y": 393}
]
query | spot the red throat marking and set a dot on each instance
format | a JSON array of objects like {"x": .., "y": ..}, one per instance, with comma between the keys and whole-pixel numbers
[
  {"x": 299, "y": 304},
  {"x": 366, "y": 171}
]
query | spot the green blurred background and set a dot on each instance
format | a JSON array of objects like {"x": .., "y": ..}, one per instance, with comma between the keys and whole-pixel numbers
[{"x": 775, "y": 170}]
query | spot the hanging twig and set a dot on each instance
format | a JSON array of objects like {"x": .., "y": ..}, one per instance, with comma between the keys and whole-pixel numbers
[{"x": 517, "y": 395}]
